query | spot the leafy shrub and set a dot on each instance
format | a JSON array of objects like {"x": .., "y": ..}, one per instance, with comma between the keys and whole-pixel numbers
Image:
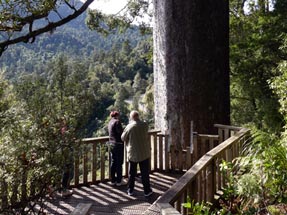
[{"x": 196, "y": 208}]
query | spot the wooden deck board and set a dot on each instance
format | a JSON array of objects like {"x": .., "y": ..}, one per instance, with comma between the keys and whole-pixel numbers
[{"x": 107, "y": 199}]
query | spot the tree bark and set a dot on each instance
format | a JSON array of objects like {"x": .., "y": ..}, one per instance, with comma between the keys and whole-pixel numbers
[{"x": 191, "y": 66}]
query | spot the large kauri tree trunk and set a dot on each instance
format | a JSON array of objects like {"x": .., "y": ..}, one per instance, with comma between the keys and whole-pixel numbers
[{"x": 191, "y": 66}]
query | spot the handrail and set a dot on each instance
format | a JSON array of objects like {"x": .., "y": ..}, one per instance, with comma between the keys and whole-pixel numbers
[
  {"x": 203, "y": 179},
  {"x": 230, "y": 127},
  {"x": 92, "y": 160},
  {"x": 106, "y": 138},
  {"x": 91, "y": 163}
]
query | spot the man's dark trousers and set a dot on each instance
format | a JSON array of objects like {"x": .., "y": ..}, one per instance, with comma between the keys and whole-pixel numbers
[{"x": 144, "y": 169}]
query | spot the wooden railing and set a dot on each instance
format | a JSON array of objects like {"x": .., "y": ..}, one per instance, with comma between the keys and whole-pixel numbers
[
  {"x": 92, "y": 162},
  {"x": 204, "y": 179}
]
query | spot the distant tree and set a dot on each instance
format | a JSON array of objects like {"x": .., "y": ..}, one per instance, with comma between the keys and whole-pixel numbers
[
  {"x": 59, "y": 75},
  {"x": 126, "y": 48},
  {"x": 5, "y": 96},
  {"x": 148, "y": 101},
  {"x": 136, "y": 101},
  {"x": 138, "y": 84},
  {"x": 120, "y": 101}
]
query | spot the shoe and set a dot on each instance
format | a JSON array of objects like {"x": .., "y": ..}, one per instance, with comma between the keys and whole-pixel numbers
[
  {"x": 113, "y": 183},
  {"x": 148, "y": 194},
  {"x": 122, "y": 183},
  {"x": 130, "y": 193},
  {"x": 66, "y": 193}
]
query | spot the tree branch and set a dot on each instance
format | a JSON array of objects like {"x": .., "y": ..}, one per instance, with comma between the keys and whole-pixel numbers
[{"x": 31, "y": 35}]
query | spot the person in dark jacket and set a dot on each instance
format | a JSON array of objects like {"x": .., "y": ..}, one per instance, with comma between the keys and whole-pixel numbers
[{"x": 116, "y": 148}]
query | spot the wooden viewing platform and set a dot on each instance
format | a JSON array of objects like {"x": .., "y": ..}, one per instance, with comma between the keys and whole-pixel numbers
[
  {"x": 200, "y": 181},
  {"x": 107, "y": 199},
  {"x": 198, "y": 163}
]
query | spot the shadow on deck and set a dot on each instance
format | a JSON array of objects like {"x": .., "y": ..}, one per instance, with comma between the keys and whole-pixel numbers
[{"x": 108, "y": 199}]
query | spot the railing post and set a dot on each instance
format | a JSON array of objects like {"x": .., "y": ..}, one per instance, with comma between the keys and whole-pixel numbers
[
  {"x": 179, "y": 160},
  {"x": 151, "y": 153},
  {"x": 172, "y": 157},
  {"x": 220, "y": 135},
  {"x": 109, "y": 163},
  {"x": 77, "y": 171},
  {"x": 223, "y": 158},
  {"x": 184, "y": 210},
  {"x": 195, "y": 149},
  {"x": 211, "y": 180},
  {"x": 203, "y": 184},
  {"x": 85, "y": 166},
  {"x": 94, "y": 164},
  {"x": 226, "y": 133},
  {"x": 203, "y": 145},
  {"x": 178, "y": 204},
  {"x": 154, "y": 144},
  {"x": 218, "y": 174},
  {"x": 188, "y": 158},
  {"x": 166, "y": 154},
  {"x": 161, "y": 152},
  {"x": 103, "y": 153},
  {"x": 228, "y": 154}
]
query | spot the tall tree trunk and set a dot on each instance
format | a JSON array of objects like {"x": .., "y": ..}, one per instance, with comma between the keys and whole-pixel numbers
[{"x": 191, "y": 66}]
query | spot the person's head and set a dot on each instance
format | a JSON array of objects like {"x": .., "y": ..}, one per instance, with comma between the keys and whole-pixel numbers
[
  {"x": 134, "y": 115},
  {"x": 114, "y": 114}
]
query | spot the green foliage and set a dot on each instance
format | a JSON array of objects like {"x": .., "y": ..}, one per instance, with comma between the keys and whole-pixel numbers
[
  {"x": 15, "y": 19},
  {"x": 30, "y": 158},
  {"x": 5, "y": 96},
  {"x": 255, "y": 38},
  {"x": 196, "y": 208},
  {"x": 265, "y": 158},
  {"x": 96, "y": 18},
  {"x": 278, "y": 84},
  {"x": 229, "y": 200},
  {"x": 257, "y": 179},
  {"x": 148, "y": 101},
  {"x": 273, "y": 210},
  {"x": 79, "y": 45},
  {"x": 133, "y": 12}
]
